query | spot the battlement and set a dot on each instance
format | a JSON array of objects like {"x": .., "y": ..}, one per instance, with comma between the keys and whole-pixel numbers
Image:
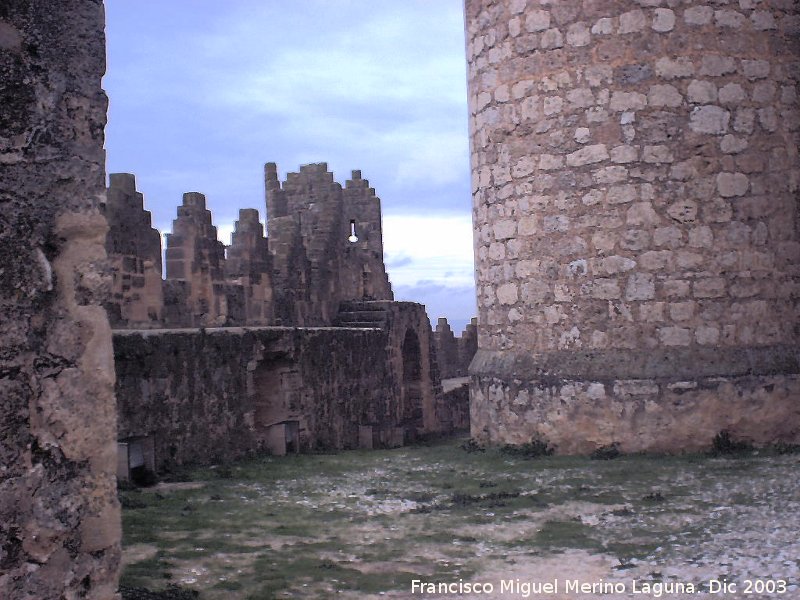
[
  {"x": 297, "y": 274},
  {"x": 357, "y": 183},
  {"x": 194, "y": 200},
  {"x": 455, "y": 353},
  {"x": 122, "y": 196},
  {"x": 248, "y": 215},
  {"x": 134, "y": 252},
  {"x": 122, "y": 181}
]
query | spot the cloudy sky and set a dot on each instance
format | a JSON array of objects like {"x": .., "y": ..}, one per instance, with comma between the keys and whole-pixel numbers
[{"x": 203, "y": 93}]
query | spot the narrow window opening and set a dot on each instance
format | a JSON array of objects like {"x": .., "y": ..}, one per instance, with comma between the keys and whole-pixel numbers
[{"x": 353, "y": 237}]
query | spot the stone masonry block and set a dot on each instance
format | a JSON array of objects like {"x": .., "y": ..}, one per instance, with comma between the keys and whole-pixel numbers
[
  {"x": 709, "y": 119},
  {"x": 588, "y": 155}
]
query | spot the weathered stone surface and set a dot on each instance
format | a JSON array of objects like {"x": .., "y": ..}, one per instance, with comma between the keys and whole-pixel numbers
[
  {"x": 537, "y": 20},
  {"x": 709, "y": 119},
  {"x": 668, "y": 68},
  {"x": 665, "y": 95},
  {"x": 678, "y": 154},
  {"x": 229, "y": 385},
  {"x": 453, "y": 354},
  {"x": 212, "y": 394},
  {"x": 298, "y": 276},
  {"x": 134, "y": 255},
  {"x": 446, "y": 350},
  {"x": 702, "y": 91},
  {"x": 59, "y": 516},
  {"x": 587, "y": 155},
  {"x": 632, "y": 21},
  {"x": 698, "y": 15},
  {"x": 584, "y": 404},
  {"x": 732, "y": 184},
  {"x": 248, "y": 264}
]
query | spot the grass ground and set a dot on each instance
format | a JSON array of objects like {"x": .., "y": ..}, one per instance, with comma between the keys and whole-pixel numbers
[{"x": 366, "y": 523}]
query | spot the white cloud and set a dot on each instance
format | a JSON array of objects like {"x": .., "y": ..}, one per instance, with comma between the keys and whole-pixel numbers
[
  {"x": 434, "y": 248},
  {"x": 439, "y": 159},
  {"x": 208, "y": 87},
  {"x": 224, "y": 231}
]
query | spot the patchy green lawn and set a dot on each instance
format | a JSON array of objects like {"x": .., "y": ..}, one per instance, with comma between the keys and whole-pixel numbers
[{"x": 366, "y": 523}]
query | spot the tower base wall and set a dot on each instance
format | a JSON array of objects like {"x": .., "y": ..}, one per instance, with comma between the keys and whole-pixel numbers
[{"x": 640, "y": 402}]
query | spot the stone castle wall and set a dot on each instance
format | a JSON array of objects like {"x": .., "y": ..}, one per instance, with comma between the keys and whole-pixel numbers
[
  {"x": 59, "y": 516},
  {"x": 354, "y": 369},
  {"x": 210, "y": 395},
  {"x": 327, "y": 241},
  {"x": 635, "y": 175},
  {"x": 454, "y": 354},
  {"x": 415, "y": 372}
]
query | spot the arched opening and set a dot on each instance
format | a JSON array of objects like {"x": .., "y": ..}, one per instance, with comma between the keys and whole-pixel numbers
[
  {"x": 353, "y": 238},
  {"x": 411, "y": 415}
]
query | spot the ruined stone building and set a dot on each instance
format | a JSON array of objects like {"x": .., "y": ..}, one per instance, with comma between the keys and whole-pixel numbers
[
  {"x": 314, "y": 351},
  {"x": 285, "y": 341},
  {"x": 635, "y": 173},
  {"x": 453, "y": 354},
  {"x": 635, "y": 183},
  {"x": 324, "y": 247}
]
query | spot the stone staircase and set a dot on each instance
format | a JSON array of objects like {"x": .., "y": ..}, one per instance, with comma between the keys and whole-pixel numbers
[{"x": 361, "y": 314}]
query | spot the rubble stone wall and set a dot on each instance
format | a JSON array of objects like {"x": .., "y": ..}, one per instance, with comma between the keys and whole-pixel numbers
[
  {"x": 208, "y": 395},
  {"x": 635, "y": 176},
  {"x": 59, "y": 516},
  {"x": 455, "y": 404}
]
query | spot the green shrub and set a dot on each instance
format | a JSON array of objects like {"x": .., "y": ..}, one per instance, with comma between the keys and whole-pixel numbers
[
  {"x": 609, "y": 452},
  {"x": 723, "y": 445},
  {"x": 471, "y": 445},
  {"x": 536, "y": 448}
]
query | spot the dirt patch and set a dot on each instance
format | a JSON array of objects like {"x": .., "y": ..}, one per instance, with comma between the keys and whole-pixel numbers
[
  {"x": 172, "y": 486},
  {"x": 138, "y": 552},
  {"x": 367, "y": 524}
]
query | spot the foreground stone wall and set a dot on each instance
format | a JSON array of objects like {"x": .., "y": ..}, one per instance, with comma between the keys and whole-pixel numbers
[
  {"x": 59, "y": 517},
  {"x": 455, "y": 401},
  {"x": 204, "y": 395},
  {"x": 635, "y": 174}
]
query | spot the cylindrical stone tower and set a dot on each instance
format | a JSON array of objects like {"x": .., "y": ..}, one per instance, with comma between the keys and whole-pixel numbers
[{"x": 635, "y": 180}]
